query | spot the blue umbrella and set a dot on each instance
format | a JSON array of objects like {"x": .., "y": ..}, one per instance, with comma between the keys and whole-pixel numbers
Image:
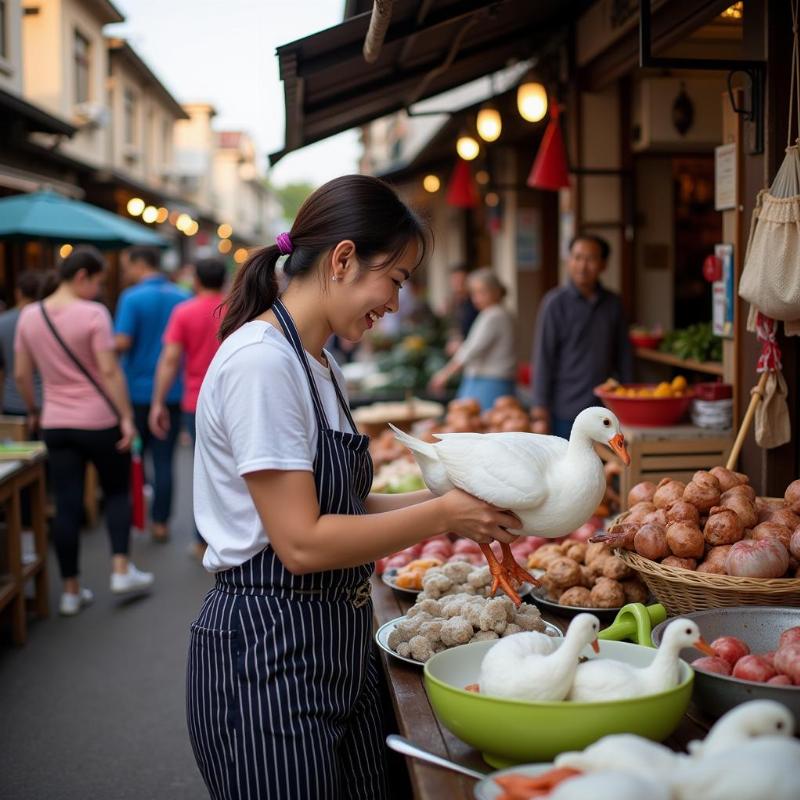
[{"x": 47, "y": 215}]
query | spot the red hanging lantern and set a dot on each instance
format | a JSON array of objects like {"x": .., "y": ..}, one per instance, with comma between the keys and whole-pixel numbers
[
  {"x": 461, "y": 191},
  {"x": 549, "y": 170}
]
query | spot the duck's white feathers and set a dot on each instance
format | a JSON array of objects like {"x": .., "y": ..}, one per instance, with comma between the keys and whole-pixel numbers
[
  {"x": 552, "y": 485},
  {"x": 516, "y": 475}
]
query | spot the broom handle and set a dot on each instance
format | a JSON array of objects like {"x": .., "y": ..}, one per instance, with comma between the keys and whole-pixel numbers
[{"x": 757, "y": 395}]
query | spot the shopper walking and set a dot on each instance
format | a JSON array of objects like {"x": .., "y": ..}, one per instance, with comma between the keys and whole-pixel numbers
[
  {"x": 27, "y": 290},
  {"x": 488, "y": 356},
  {"x": 581, "y": 339},
  {"x": 282, "y": 681},
  {"x": 86, "y": 416},
  {"x": 142, "y": 315},
  {"x": 191, "y": 339}
]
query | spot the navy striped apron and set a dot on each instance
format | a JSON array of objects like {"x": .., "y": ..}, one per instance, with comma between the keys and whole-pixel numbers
[{"x": 282, "y": 684}]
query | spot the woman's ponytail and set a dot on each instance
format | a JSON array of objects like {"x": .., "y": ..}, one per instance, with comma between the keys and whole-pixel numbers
[{"x": 254, "y": 290}]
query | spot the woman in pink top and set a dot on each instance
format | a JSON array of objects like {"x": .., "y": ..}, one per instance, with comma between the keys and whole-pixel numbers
[{"x": 86, "y": 416}]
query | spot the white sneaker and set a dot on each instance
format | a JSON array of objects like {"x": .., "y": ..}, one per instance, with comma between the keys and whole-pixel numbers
[
  {"x": 133, "y": 580},
  {"x": 71, "y": 604}
]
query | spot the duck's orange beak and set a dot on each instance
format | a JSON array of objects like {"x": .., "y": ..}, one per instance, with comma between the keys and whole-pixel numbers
[
  {"x": 596, "y": 646},
  {"x": 617, "y": 444},
  {"x": 704, "y": 647}
]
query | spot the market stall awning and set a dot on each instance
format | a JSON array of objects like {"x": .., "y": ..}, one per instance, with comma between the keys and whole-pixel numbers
[
  {"x": 32, "y": 118},
  {"x": 428, "y": 49},
  {"x": 47, "y": 215}
]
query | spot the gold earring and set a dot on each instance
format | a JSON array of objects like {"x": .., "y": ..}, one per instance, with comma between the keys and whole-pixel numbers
[{"x": 333, "y": 277}]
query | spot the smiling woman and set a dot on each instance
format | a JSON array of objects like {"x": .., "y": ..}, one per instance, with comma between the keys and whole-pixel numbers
[{"x": 282, "y": 678}]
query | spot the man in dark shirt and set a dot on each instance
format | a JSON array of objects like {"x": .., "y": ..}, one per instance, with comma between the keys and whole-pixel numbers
[{"x": 581, "y": 339}]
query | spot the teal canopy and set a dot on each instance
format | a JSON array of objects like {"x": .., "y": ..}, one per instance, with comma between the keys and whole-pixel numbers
[{"x": 47, "y": 215}]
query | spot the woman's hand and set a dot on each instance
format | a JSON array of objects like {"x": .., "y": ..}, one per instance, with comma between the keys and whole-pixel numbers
[
  {"x": 128, "y": 434},
  {"x": 477, "y": 520}
]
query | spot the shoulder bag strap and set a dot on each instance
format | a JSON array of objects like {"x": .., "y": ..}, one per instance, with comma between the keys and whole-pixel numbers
[{"x": 75, "y": 360}]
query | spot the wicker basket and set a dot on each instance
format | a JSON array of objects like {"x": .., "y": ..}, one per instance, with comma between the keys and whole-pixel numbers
[{"x": 683, "y": 590}]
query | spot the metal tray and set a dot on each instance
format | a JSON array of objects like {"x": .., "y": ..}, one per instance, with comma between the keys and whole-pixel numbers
[
  {"x": 760, "y": 628},
  {"x": 603, "y": 614},
  {"x": 382, "y": 638},
  {"x": 389, "y": 577}
]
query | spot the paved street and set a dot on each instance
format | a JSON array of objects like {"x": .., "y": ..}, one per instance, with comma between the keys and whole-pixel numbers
[{"x": 93, "y": 706}]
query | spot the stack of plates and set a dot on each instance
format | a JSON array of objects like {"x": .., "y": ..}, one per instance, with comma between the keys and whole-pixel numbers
[{"x": 712, "y": 413}]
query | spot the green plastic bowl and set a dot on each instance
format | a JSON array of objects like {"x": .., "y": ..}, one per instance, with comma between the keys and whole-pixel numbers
[{"x": 509, "y": 732}]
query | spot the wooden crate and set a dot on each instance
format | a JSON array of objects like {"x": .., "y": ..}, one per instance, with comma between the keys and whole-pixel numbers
[{"x": 676, "y": 452}]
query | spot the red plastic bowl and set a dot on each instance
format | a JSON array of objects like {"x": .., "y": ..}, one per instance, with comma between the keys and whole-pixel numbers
[
  {"x": 646, "y": 412},
  {"x": 650, "y": 341}
]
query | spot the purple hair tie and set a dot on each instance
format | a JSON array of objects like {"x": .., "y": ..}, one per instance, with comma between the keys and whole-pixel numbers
[{"x": 284, "y": 243}]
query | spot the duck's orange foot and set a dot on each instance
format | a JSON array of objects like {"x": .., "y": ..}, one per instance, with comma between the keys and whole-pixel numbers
[
  {"x": 513, "y": 568},
  {"x": 501, "y": 579}
]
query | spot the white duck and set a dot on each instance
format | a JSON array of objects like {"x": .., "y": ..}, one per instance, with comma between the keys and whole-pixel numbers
[
  {"x": 766, "y": 768},
  {"x": 608, "y": 679},
  {"x": 639, "y": 757},
  {"x": 748, "y": 721},
  {"x": 623, "y": 752},
  {"x": 552, "y": 485},
  {"x": 517, "y": 668},
  {"x": 611, "y": 785}
]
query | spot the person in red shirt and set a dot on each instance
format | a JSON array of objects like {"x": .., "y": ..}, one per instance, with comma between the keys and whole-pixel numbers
[{"x": 191, "y": 335}]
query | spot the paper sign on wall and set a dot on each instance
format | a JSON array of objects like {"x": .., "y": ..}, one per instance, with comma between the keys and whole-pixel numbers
[
  {"x": 722, "y": 297},
  {"x": 725, "y": 177}
]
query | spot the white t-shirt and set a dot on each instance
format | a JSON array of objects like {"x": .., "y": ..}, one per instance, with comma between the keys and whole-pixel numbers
[{"x": 254, "y": 412}]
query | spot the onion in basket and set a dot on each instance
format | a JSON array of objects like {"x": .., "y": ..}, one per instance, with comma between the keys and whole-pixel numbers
[
  {"x": 744, "y": 489},
  {"x": 751, "y": 559},
  {"x": 792, "y": 496},
  {"x": 685, "y": 540},
  {"x": 772, "y": 530},
  {"x": 702, "y": 493},
  {"x": 784, "y": 516},
  {"x": 642, "y": 492},
  {"x": 744, "y": 507},
  {"x": 728, "y": 478},
  {"x": 651, "y": 541},
  {"x": 794, "y": 543},
  {"x": 681, "y": 511},
  {"x": 723, "y": 527},
  {"x": 668, "y": 491}
]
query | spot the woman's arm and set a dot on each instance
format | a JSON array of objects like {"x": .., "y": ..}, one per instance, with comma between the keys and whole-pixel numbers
[
  {"x": 23, "y": 375},
  {"x": 306, "y": 541},
  {"x": 114, "y": 383},
  {"x": 377, "y": 502},
  {"x": 169, "y": 363}
]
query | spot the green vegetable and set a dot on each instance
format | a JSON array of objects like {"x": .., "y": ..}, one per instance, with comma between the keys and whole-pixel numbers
[{"x": 697, "y": 342}]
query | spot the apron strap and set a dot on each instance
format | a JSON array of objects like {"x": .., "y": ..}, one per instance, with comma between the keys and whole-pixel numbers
[
  {"x": 342, "y": 401},
  {"x": 289, "y": 328}
]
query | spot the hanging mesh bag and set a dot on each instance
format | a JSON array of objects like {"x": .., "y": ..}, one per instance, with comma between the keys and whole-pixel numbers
[{"x": 770, "y": 279}]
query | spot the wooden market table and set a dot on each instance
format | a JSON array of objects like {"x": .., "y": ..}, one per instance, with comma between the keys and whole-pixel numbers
[
  {"x": 416, "y": 720},
  {"x": 23, "y": 472}
]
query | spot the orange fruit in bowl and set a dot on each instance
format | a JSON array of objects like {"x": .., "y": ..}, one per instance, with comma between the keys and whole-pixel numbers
[
  {"x": 679, "y": 383},
  {"x": 663, "y": 390}
]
